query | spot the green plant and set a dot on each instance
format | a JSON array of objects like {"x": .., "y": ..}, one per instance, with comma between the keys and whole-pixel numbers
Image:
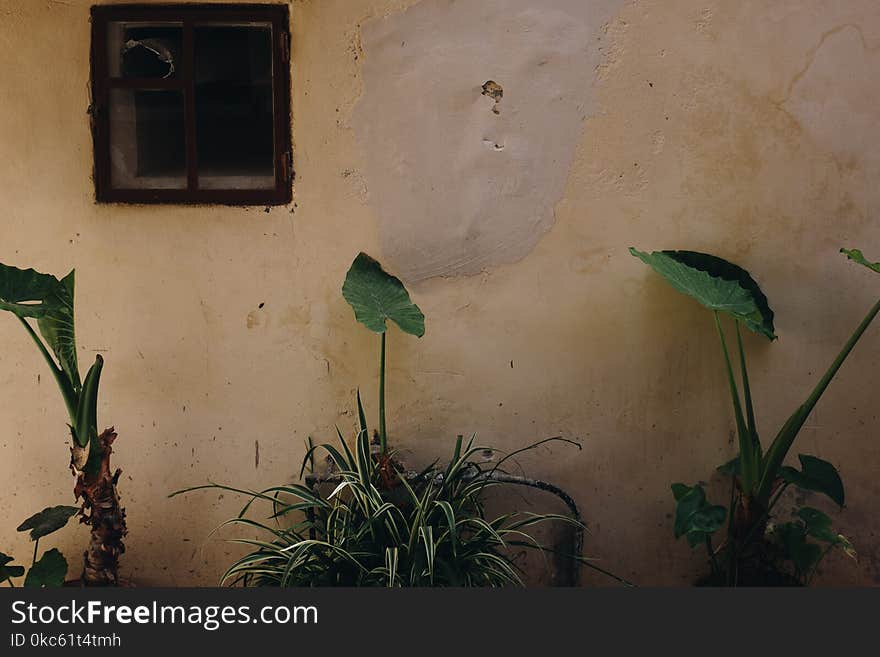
[
  {"x": 431, "y": 530},
  {"x": 376, "y": 296},
  {"x": 750, "y": 553},
  {"x": 369, "y": 522},
  {"x": 48, "y": 301},
  {"x": 51, "y": 568}
]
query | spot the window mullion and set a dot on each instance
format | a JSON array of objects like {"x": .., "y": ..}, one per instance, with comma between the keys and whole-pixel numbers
[{"x": 189, "y": 104}]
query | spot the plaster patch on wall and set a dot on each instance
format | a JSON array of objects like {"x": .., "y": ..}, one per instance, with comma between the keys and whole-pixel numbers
[{"x": 457, "y": 188}]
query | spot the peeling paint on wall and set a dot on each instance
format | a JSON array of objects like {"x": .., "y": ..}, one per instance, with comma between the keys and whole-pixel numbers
[{"x": 457, "y": 188}]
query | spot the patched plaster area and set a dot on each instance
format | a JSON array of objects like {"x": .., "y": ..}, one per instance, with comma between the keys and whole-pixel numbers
[{"x": 468, "y": 124}]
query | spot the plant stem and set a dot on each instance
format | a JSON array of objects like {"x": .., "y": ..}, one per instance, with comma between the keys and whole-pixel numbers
[
  {"x": 711, "y": 550},
  {"x": 746, "y": 464},
  {"x": 809, "y": 578},
  {"x": 764, "y": 516},
  {"x": 731, "y": 544},
  {"x": 64, "y": 383},
  {"x": 36, "y": 545},
  {"x": 747, "y": 393},
  {"x": 383, "y": 439},
  {"x": 783, "y": 442},
  {"x": 848, "y": 347}
]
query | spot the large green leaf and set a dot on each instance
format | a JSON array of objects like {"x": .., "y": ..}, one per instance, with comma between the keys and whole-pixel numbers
[
  {"x": 7, "y": 571},
  {"x": 56, "y": 326},
  {"x": 30, "y": 294},
  {"x": 48, "y": 520},
  {"x": 24, "y": 291},
  {"x": 816, "y": 475},
  {"x": 377, "y": 296},
  {"x": 856, "y": 256},
  {"x": 49, "y": 571},
  {"x": 716, "y": 283},
  {"x": 86, "y": 429}
]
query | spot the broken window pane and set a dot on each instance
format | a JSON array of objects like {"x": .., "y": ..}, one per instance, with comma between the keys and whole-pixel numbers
[
  {"x": 147, "y": 139},
  {"x": 144, "y": 50},
  {"x": 233, "y": 103}
]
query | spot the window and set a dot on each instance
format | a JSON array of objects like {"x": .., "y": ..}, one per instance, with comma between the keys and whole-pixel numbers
[{"x": 191, "y": 104}]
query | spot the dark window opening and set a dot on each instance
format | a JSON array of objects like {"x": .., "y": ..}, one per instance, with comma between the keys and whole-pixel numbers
[{"x": 191, "y": 103}]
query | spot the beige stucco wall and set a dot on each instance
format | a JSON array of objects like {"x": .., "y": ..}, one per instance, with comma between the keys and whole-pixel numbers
[{"x": 744, "y": 128}]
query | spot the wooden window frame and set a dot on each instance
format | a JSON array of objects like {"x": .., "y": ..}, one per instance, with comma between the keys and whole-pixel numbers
[{"x": 188, "y": 15}]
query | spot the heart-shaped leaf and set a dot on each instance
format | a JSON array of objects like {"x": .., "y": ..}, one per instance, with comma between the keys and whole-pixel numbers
[
  {"x": 817, "y": 524},
  {"x": 816, "y": 475},
  {"x": 804, "y": 554},
  {"x": 856, "y": 256},
  {"x": 377, "y": 296},
  {"x": 7, "y": 571},
  {"x": 694, "y": 516},
  {"x": 708, "y": 519},
  {"x": 48, "y": 520},
  {"x": 696, "y": 539},
  {"x": 49, "y": 571},
  {"x": 716, "y": 283},
  {"x": 688, "y": 501},
  {"x": 679, "y": 491}
]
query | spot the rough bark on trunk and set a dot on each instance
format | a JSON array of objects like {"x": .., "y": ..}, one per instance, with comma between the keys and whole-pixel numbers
[{"x": 104, "y": 515}]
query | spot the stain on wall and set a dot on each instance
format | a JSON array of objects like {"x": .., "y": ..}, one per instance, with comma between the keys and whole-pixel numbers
[
  {"x": 836, "y": 94},
  {"x": 460, "y": 179}
]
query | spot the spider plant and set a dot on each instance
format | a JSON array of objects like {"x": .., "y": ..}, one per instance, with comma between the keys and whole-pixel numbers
[
  {"x": 431, "y": 531},
  {"x": 30, "y": 295},
  {"x": 759, "y": 476}
]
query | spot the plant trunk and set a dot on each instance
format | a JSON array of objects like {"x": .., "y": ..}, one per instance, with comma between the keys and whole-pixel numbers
[
  {"x": 749, "y": 520},
  {"x": 747, "y": 563},
  {"x": 104, "y": 515}
]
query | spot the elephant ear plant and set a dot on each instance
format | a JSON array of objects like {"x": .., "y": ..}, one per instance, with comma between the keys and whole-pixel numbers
[
  {"x": 754, "y": 550},
  {"x": 370, "y": 522},
  {"x": 48, "y": 302},
  {"x": 376, "y": 297}
]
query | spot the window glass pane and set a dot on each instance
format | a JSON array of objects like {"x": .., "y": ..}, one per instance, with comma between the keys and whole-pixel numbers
[
  {"x": 147, "y": 143},
  {"x": 233, "y": 102},
  {"x": 144, "y": 50}
]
